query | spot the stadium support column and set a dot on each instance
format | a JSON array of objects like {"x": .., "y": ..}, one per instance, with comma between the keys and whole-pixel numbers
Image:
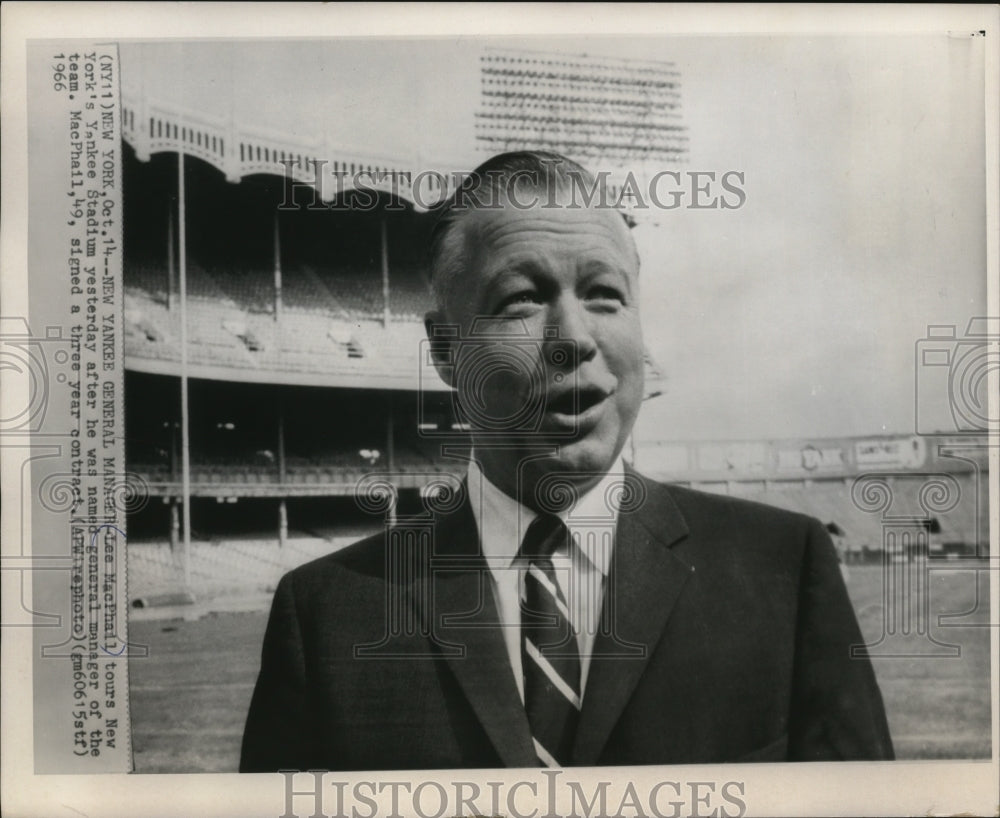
[
  {"x": 277, "y": 270},
  {"x": 185, "y": 438},
  {"x": 282, "y": 523},
  {"x": 390, "y": 438},
  {"x": 175, "y": 520},
  {"x": 390, "y": 448},
  {"x": 175, "y": 526},
  {"x": 281, "y": 440},
  {"x": 170, "y": 257},
  {"x": 282, "y": 507},
  {"x": 385, "y": 271}
]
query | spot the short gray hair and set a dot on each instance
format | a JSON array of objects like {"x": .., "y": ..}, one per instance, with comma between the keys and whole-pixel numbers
[{"x": 487, "y": 187}]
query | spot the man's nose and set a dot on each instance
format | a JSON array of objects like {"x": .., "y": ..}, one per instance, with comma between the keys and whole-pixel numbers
[{"x": 570, "y": 339}]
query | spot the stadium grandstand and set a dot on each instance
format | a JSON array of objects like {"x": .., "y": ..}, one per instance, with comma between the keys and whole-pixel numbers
[{"x": 301, "y": 397}]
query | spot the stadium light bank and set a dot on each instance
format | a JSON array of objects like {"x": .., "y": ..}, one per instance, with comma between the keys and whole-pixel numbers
[{"x": 324, "y": 187}]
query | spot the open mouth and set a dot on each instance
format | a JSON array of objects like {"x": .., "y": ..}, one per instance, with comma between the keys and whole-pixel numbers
[{"x": 576, "y": 401}]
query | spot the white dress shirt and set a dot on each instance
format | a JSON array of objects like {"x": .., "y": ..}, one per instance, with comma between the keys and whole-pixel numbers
[{"x": 581, "y": 572}]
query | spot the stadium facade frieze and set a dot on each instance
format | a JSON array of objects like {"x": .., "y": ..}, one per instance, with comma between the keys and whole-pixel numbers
[
  {"x": 812, "y": 459},
  {"x": 319, "y": 174},
  {"x": 223, "y": 482}
]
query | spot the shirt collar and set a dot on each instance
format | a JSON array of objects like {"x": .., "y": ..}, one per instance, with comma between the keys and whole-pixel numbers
[{"x": 503, "y": 521}]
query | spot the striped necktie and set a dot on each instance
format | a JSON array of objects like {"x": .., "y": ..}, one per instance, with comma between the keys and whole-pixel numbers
[{"x": 550, "y": 657}]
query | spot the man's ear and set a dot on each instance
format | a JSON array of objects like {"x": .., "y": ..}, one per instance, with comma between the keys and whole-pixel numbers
[{"x": 441, "y": 337}]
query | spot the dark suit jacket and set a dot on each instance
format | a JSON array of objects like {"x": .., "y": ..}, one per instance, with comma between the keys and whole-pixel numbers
[{"x": 729, "y": 639}]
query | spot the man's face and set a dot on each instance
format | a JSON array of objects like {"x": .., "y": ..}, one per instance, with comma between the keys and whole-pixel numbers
[{"x": 562, "y": 285}]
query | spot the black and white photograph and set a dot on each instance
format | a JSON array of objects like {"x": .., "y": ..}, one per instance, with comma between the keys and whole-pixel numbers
[{"x": 599, "y": 423}]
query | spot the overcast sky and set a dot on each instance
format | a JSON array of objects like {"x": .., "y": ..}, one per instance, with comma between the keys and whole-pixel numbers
[{"x": 794, "y": 315}]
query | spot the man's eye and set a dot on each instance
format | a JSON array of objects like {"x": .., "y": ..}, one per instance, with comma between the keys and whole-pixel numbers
[
  {"x": 517, "y": 301},
  {"x": 604, "y": 293}
]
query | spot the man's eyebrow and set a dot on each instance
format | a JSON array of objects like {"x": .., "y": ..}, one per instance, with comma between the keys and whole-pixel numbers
[
  {"x": 595, "y": 266},
  {"x": 524, "y": 267},
  {"x": 499, "y": 276}
]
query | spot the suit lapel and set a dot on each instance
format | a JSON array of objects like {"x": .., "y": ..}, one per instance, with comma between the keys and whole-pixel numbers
[
  {"x": 463, "y": 621},
  {"x": 644, "y": 582}
]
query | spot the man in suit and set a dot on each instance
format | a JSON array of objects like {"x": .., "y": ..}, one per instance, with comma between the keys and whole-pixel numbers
[{"x": 558, "y": 608}]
